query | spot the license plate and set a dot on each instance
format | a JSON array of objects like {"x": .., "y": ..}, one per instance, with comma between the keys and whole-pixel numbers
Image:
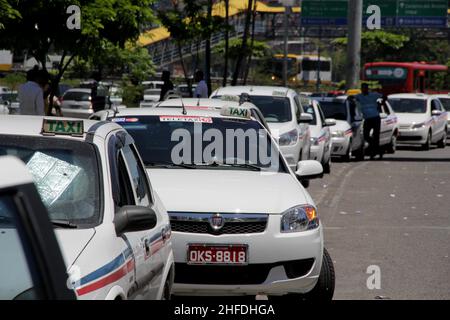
[{"x": 231, "y": 254}]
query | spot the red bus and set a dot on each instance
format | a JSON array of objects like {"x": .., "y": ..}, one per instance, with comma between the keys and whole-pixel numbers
[{"x": 403, "y": 77}]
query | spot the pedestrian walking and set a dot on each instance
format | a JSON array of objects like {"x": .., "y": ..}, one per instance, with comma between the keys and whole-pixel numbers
[
  {"x": 202, "y": 89},
  {"x": 371, "y": 110},
  {"x": 31, "y": 94},
  {"x": 167, "y": 86}
]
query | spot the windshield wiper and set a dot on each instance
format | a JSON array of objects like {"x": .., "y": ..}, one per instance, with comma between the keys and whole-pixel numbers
[
  {"x": 232, "y": 165},
  {"x": 63, "y": 224},
  {"x": 170, "y": 165}
]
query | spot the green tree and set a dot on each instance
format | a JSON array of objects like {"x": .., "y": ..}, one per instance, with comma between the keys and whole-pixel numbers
[
  {"x": 7, "y": 12},
  {"x": 104, "y": 24}
]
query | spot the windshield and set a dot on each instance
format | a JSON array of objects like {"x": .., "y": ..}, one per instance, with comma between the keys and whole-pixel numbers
[
  {"x": 334, "y": 110},
  {"x": 446, "y": 103},
  {"x": 187, "y": 140},
  {"x": 274, "y": 109},
  {"x": 65, "y": 174},
  {"x": 77, "y": 96},
  {"x": 408, "y": 105}
]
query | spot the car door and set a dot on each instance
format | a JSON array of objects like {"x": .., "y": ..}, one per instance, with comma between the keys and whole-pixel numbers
[
  {"x": 355, "y": 119},
  {"x": 302, "y": 127},
  {"x": 438, "y": 124},
  {"x": 325, "y": 131},
  {"x": 32, "y": 266},
  {"x": 387, "y": 125},
  {"x": 149, "y": 258}
]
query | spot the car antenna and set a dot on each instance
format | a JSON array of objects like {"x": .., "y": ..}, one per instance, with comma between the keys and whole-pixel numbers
[{"x": 184, "y": 108}]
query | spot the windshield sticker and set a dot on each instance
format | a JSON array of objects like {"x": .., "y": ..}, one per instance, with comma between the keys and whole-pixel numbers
[
  {"x": 51, "y": 176},
  {"x": 196, "y": 119}
]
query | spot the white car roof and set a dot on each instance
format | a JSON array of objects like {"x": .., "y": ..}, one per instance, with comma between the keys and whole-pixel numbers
[
  {"x": 253, "y": 90},
  {"x": 442, "y": 95},
  {"x": 202, "y": 102},
  {"x": 418, "y": 96},
  {"x": 32, "y": 126},
  {"x": 13, "y": 172}
]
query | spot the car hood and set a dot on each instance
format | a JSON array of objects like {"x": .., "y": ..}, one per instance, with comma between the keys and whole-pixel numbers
[
  {"x": 198, "y": 190},
  {"x": 340, "y": 126},
  {"x": 72, "y": 242},
  {"x": 279, "y": 128},
  {"x": 410, "y": 118},
  {"x": 14, "y": 266}
]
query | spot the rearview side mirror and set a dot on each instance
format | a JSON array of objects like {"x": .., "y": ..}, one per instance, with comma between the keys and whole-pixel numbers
[
  {"x": 305, "y": 118},
  {"x": 436, "y": 113},
  {"x": 330, "y": 122},
  {"x": 383, "y": 115},
  {"x": 309, "y": 169},
  {"x": 134, "y": 218}
]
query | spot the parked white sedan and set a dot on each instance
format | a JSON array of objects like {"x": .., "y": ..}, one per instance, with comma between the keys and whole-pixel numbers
[{"x": 422, "y": 119}]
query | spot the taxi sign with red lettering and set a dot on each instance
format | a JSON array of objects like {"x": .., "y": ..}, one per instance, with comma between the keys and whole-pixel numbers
[{"x": 63, "y": 127}]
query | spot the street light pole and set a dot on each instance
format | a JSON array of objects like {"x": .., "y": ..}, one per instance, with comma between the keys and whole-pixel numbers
[
  {"x": 354, "y": 43},
  {"x": 286, "y": 45}
]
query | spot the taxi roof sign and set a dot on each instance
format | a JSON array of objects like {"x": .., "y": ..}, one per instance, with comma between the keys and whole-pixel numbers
[
  {"x": 237, "y": 112},
  {"x": 63, "y": 127},
  {"x": 229, "y": 97}
]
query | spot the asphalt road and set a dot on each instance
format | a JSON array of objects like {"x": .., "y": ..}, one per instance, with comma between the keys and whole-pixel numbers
[{"x": 392, "y": 213}]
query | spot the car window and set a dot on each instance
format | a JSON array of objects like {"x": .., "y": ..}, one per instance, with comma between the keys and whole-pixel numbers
[
  {"x": 310, "y": 110},
  {"x": 138, "y": 177},
  {"x": 18, "y": 270},
  {"x": 405, "y": 105},
  {"x": 65, "y": 173},
  {"x": 274, "y": 109},
  {"x": 335, "y": 109},
  {"x": 445, "y": 103},
  {"x": 436, "y": 105},
  {"x": 77, "y": 96},
  {"x": 298, "y": 107},
  {"x": 322, "y": 116},
  {"x": 126, "y": 190}
]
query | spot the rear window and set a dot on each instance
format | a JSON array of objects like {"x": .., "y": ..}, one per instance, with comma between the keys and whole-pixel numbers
[
  {"x": 401, "y": 105},
  {"x": 77, "y": 96}
]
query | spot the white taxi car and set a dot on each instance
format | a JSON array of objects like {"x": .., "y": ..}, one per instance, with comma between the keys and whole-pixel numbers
[
  {"x": 113, "y": 229},
  {"x": 320, "y": 133},
  {"x": 284, "y": 113},
  {"x": 347, "y": 134},
  {"x": 422, "y": 119},
  {"x": 445, "y": 100},
  {"x": 242, "y": 223}
]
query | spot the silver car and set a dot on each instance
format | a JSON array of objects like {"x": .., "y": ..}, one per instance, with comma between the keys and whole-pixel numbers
[{"x": 77, "y": 103}]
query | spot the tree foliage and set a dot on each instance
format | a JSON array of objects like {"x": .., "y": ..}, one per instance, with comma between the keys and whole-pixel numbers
[{"x": 260, "y": 48}]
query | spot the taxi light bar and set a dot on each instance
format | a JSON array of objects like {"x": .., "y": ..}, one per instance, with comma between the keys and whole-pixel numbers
[
  {"x": 236, "y": 112},
  {"x": 62, "y": 127}
]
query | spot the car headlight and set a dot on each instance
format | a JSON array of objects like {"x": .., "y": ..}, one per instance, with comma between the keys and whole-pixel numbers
[
  {"x": 299, "y": 218},
  {"x": 338, "y": 134},
  {"x": 314, "y": 141},
  {"x": 288, "y": 139},
  {"x": 418, "y": 125}
]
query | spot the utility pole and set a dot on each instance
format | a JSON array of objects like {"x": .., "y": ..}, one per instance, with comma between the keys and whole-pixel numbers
[
  {"x": 354, "y": 17},
  {"x": 319, "y": 53},
  {"x": 287, "y": 10}
]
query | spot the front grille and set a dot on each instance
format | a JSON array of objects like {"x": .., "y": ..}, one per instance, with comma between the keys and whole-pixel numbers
[
  {"x": 232, "y": 275},
  {"x": 405, "y": 126},
  {"x": 228, "y": 228}
]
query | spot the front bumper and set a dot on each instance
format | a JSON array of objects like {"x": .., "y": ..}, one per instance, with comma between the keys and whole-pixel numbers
[
  {"x": 278, "y": 263},
  {"x": 413, "y": 136},
  {"x": 339, "y": 146}
]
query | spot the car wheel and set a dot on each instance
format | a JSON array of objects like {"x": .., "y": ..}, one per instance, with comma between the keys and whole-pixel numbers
[
  {"x": 348, "y": 156},
  {"x": 324, "y": 288},
  {"x": 443, "y": 142},
  {"x": 327, "y": 166},
  {"x": 359, "y": 154},
  {"x": 392, "y": 147},
  {"x": 427, "y": 144}
]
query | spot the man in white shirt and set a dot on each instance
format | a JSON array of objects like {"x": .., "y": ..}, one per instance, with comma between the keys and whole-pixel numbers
[
  {"x": 202, "y": 88},
  {"x": 31, "y": 95}
]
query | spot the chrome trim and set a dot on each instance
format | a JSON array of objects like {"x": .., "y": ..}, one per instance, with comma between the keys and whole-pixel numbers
[{"x": 228, "y": 217}]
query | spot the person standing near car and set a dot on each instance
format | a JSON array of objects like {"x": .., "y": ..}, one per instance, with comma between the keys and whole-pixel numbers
[
  {"x": 31, "y": 94},
  {"x": 167, "y": 86},
  {"x": 370, "y": 109},
  {"x": 202, "y": 88}
]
